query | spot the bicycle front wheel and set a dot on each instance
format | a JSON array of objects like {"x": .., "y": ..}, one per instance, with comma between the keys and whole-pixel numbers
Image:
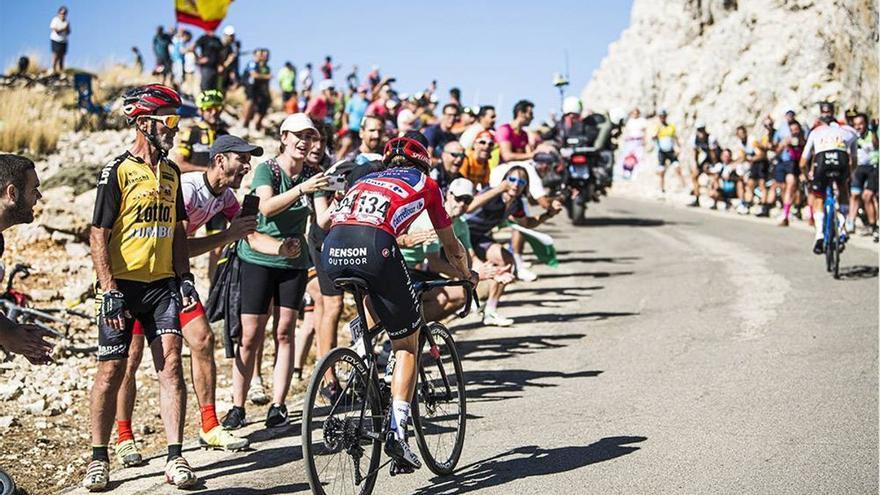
[
  {"x": 341, "y": 426},
  {"x": 439, "y": 410}
]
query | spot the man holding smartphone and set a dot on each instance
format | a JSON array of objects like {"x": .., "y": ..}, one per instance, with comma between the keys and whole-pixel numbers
[{"x": 205, "y": 194}]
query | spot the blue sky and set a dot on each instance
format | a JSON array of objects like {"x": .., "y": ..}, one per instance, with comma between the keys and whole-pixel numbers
[{"x": 495, "y": 51}]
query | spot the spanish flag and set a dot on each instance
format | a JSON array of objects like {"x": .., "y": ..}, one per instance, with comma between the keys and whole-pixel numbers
[{"x": 206, "y": 14}]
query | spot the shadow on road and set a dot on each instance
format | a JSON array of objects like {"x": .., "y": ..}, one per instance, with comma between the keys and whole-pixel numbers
[
  {"x": 585, "y": 274},
  {"x": 624, "y": 222},
  {"x": 858, "y": 272},
  {"x": 507, "y": 347},
  {"x": 625, "y": 260},
  {"x": 524, "y": 462},
  {"x": 275, "y": 490},
  {"x": 256, "y": 460},
  {"x": 592, "y": 316},
  {"x": 575, "y": 291},
  {"x": 496, "y": 385}
]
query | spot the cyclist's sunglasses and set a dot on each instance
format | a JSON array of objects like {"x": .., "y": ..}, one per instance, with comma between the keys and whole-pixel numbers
[
  {"x": 516, "y": 180},
  {"x": 170, "y": 121}
]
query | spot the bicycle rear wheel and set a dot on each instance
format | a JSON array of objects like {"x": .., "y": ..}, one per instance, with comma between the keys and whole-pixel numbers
[
  {"x": 836, "y": 262},
  {"x": 439, "y": 409},
  {"x": 830, "y": 239},
  {"x": 341, "y": 439}
]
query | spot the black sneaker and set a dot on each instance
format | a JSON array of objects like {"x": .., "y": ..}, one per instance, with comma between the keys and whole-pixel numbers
[
  {"x": 876, "y": 234},
  {"x": 695, "y": 203},
  {"x": 234, "y": 419},
  {"x": 277, "y": 416},
  {"x": 819, "y": 246},
  {"x": 765, "y": 211},
  {"x": 401, "y": 453}
]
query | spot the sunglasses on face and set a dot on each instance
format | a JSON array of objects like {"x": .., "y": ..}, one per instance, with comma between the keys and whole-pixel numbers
[
  {"x": 516, "y": 180},
  {"x": 169, "y": 121},
  {"x": 464, "y": 199},
  {"x": 485, "y": 143},
  {"x": 456, "y": 155}
]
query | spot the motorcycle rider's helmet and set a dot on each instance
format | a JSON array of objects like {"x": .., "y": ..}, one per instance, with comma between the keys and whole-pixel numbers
[{"x": 572, "y": 104}]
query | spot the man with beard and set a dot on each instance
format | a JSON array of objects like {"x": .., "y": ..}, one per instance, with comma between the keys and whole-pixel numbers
[
  {"x": 372, "y": 136},
  {"x": 205, "y": 196},
  {"x": 139, "y": 250},
  {"x": 19, "y": 192}
]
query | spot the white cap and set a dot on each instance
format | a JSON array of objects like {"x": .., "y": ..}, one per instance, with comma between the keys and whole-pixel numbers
[
  {"x": 229, "y": 31},
  {"x": 297, "y": 122},
  {"x": 407, "y": 117},
  {"x": 326, "y": 84},
  {"x": 461, "y": 187},
  {"x": 572, "y": 104}
]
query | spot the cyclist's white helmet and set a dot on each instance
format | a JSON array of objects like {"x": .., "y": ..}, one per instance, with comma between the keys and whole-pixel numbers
[{"x": 572, "y": 104}]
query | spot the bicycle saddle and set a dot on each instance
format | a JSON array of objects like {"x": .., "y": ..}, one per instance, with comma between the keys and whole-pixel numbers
[{"x": 351, "y": 283}]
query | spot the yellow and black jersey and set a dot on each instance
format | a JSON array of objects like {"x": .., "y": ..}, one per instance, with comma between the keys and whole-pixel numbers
[
  {"x": 196, "y": 140},
  {"x": 141, "y": 210}
]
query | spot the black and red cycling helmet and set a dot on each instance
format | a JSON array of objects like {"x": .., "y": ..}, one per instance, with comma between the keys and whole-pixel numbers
[
  {"x": 411, "y": 147},
  {"x": 147, "y": 100}
]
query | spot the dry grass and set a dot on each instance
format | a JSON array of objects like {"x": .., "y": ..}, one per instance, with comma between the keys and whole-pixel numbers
[
  {"x": 34, "y": 69},
  {"x": 31, "y": 120}
]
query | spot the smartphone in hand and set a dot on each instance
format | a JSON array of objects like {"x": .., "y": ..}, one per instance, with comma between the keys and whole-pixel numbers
[{"x": 250, "y": 206}]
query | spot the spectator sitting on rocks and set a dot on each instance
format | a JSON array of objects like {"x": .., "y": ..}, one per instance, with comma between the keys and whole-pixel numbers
[
  {"x": 19, "y": 192},
  {"x": 726, "y": 184}
]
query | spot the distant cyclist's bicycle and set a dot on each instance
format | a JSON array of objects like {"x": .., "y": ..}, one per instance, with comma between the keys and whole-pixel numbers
[
  {"x": 833, "y": 238},
  {"x": 345, "y": 420}
]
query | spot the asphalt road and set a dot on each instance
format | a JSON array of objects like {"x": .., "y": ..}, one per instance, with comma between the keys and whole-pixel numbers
[{"x": 670, "y": 352}]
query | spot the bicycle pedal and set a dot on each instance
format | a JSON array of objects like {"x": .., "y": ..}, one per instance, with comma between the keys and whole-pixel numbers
[{"x": 396, "y": 469}]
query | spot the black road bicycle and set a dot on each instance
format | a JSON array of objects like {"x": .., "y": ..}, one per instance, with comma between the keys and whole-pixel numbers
[{"x": 345, "y": 419}]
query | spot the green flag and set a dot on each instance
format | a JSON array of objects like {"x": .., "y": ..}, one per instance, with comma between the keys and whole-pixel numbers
[{"x": 542, "y": 245}]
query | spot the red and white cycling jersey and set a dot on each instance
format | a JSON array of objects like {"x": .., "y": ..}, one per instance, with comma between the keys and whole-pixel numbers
[{"x": 391, "y": 200}]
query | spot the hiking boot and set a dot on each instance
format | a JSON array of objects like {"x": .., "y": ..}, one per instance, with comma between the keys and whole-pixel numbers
[
  {"x": 220, "y": 439},
  {"x": 97, "y": 476},
  {"x": 277, "y": 416},
  {"x": 179, "y": 474},
  {"x": 234, "y": 419},
  {"x": 127, "y": 454}
]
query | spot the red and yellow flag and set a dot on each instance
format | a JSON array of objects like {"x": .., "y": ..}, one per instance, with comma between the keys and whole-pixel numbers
[{"x": 206, "y": 14}]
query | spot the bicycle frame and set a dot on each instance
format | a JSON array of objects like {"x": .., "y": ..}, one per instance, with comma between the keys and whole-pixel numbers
[{"x": 830, "y": 207}]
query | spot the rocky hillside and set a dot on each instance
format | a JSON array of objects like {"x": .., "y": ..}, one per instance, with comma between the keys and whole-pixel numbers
[{"x": 727, "y": 62}]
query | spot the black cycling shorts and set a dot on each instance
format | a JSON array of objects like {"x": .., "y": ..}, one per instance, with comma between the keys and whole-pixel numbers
[
  {"x": 665, "y": 158},
  {"x": 864, "y": 178},
  {"x": 372, "y": 254},
  {"x": 260, "y": 285},
  {"x": 155, "y": 305},
  {"x": 760, "y": 170},
  {"x": 831, "y": 166}
]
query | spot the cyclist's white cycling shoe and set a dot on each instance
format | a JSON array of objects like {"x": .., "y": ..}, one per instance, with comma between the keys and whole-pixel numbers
[
  {"x": 127, "y": 454},
  {"x": 406, "y": 460},
  {"x": 179, "y": 474},
  {"x": 97, "y": 476}
]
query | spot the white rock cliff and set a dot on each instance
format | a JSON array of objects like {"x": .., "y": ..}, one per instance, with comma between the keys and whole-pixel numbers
[{"x": 729, "y": 62}]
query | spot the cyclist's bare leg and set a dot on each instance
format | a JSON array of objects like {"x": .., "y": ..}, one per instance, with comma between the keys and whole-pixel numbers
[
  {"x": 253, "y": 335},
  {"x": 128, "y": 388},
  {"x": 283, "y": 354},
  {"x": 102, "y": 403},
  {"x": 172, "y": 390},
  {"x": 200, "y": 339},
  {"x": 404, "y": 380}
]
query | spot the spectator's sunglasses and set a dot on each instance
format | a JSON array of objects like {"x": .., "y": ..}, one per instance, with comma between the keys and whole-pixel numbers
[
  {"x": 464, "y": 199},
  {"x": 483, "y": 142},
  {"x": 459, "y": 154},
  {"x": 170, "y": 121},
  {"x": 516, "y": 180}
]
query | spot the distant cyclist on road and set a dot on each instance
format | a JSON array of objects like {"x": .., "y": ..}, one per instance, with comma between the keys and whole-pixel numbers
[
  {"x": 830, "y": 149},
  {"x": 361, "y": 243}
]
